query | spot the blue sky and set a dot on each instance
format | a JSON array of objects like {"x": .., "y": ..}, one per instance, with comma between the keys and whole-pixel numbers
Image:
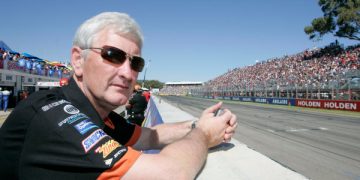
[{"x": 186, "y": 40}]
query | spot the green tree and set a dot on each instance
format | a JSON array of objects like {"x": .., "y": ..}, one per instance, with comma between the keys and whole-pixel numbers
[
  {"x": 152, "y": 84},
  {"x": 341, "y": 18}
]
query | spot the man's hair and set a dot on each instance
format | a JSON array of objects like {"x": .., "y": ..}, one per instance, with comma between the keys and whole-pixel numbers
[{"x": 122, "y": 24}]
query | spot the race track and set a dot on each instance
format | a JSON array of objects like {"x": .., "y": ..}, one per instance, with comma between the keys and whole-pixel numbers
[{"x": 318, "y": 145}]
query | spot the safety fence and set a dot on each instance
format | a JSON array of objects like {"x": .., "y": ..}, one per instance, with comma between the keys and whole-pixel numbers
[
  {"x": 310, "y": 103},
  {"x": 152, "y": 115},
  {"x": 152, "y": 118}
]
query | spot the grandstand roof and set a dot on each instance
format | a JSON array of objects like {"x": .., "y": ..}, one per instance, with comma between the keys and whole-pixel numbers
[{"x": 184, "y": 83}]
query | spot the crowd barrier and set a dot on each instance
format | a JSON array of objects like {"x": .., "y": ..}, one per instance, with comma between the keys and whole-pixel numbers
[
  {"x": 312, "y": 103},
  {"x": 152, "y": 118},
  {"x": 152, "y": 115}
]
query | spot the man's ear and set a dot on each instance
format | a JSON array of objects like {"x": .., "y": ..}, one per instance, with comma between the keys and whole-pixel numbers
[{"x": 77, "y": 61}]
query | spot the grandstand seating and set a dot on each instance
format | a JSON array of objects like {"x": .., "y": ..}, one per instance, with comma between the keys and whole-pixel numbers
[{"x": 322, "y": 71}]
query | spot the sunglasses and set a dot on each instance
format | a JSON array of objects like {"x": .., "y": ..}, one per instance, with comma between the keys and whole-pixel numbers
[{"x": 118, "y": 56}]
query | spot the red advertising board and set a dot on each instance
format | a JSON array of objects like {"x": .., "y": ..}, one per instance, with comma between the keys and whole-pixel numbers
[{"x": 329, "y": 104}]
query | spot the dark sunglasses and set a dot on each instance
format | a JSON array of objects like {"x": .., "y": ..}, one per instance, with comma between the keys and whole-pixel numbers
[{"x": 118, "y": 56}]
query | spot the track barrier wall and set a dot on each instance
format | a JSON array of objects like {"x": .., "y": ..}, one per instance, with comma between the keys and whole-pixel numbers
[{"x": 322, "y": 104}]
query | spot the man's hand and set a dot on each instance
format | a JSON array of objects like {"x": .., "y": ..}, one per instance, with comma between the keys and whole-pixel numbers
[
  {"x": 217, "y": 129},
  {"x": 230, "y": 130}
]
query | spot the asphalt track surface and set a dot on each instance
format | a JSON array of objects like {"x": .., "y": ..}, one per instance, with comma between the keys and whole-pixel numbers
[{"x": 317, "y": 144}]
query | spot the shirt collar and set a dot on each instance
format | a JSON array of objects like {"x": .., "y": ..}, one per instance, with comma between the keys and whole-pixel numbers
[{"x": 74, "y": 94}]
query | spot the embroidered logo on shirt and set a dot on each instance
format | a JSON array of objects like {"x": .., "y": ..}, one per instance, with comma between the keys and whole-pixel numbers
[
  {"x": 54, "y": 104},
  {"x": 70, "y": 109},
  {"x": 107, "y": 148},
  {"x": 85, "y": 126},
  {"x": 108, "y": 161},
  {"x": 72, "y": 118},
  {"x": 120, "y": 152},
  {"x": 93, "y": 139}
]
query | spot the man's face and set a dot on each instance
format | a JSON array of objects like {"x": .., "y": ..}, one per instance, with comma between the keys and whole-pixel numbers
[{"x": 109, "y": 85}]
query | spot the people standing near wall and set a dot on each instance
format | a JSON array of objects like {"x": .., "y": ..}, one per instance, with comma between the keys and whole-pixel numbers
[
  {"x": 147, "y": 95},
  {"x": 5, "y": 99},
  {"x": 136, "y": 106},
  {"x": 1, "y": 95}
]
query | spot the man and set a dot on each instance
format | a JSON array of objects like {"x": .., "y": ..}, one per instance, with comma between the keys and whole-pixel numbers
[
  {"x": 147, "y": 95},
  {"x": 1, "y": 96},
  {"x": 5, "y": 99},
  {"x": 72, "y": 133},
  {"x": 136, "y": 106}
]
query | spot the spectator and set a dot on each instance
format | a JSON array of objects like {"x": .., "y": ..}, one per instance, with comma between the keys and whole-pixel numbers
[
  {"x": 71, "y": 132},
  {"x": 147, "y": 94},
  {"x": 1, "y": 97},
  {"x": 136, "y": 106},
  {"x": 5, "y": 99}
]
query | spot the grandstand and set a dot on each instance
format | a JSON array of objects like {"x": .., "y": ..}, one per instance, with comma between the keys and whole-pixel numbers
[
  {"x": 332, "y": 72},
  {"x": 179, "y": 88},
  {"x": 25, "y": 72},
  {"x": 328, "y": 73}
]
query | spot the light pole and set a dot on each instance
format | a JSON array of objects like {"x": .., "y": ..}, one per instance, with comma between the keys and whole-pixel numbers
[{"x": 146, "y": 66}]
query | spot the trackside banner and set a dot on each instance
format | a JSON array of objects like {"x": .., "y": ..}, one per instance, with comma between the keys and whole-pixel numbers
[
  {"x": 323, "y": 104},
  {"x": 152, "y": 118},
  {"x": 329, "y": 104},
  {"x": 277, "y": 101},
  {"x": 152, "y": 115}
]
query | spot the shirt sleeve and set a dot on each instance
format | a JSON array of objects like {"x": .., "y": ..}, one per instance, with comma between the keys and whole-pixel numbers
[
  {"x": 125, "y": 133},
  {"x": 71, "y": 145},
  {"x": 120, "y": 168}
]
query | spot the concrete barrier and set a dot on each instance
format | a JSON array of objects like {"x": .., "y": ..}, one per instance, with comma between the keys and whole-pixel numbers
[{"x": 233, "y": 160}]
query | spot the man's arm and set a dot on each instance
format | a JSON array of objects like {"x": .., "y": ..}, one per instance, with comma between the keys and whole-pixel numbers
[
  {"x": 160, "y": 135},
  {"x": 180, "y": 160},
  {"x": 184, "y": 158},
  {"x": 163, "y": 134}
]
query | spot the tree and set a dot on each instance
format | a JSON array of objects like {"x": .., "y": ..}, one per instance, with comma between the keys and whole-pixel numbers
[
  {"x": 152, "y": 84},
  {"x": 341, "y": 18}
]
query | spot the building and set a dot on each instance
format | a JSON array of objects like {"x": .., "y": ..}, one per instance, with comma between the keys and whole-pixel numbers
[{"x": 181, "y": 88}]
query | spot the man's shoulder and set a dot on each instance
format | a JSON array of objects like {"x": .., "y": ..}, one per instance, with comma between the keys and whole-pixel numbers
[
  {"x": 45, "y": 96},
  {"x": 48, "y": 107},
  {"x": 36, "y": 101}
]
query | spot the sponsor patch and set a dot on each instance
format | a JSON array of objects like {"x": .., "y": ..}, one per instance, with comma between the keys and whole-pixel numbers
[
  {"x": 73, "y": 118},
  {"x": 93, "y": 139},
  {"x": 108, "y": 161},
  {"x": 53, "y": 104},
  {"x": 85, "y": 126},
  {"x": 70, "y": 109},
  {"x": 120, "y": 152},
  {"x": 107, "y": 148}
]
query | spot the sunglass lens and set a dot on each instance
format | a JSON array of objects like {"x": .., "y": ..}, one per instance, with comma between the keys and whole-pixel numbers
[
  {"x": 137, "y": 63},
  {"x": 118, "y": 56},
  {"x": 113, "y": 55}
]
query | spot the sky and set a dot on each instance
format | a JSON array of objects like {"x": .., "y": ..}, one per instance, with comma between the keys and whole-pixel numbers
[{"x": 184, "y": 40}]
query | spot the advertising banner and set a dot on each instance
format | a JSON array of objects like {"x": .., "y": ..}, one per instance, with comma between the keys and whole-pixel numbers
[
  {"x": 329, "y": 104},
  {"x": 152, "y": 115}
]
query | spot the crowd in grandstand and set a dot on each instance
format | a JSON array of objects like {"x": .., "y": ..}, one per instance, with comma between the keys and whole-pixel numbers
[
  {"x": 24, "y": 62},
  {"x": 177, "y": 90},
  {"x": 315, "y": 68},
  {"x": 325, "y": 68}
]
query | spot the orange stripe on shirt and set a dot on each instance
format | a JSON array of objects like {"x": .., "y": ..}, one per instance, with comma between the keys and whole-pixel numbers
[
  {"x": 122, "y": 166},
  {"x": 109, "y": 123},
  {"x": 135, "y": 136}
]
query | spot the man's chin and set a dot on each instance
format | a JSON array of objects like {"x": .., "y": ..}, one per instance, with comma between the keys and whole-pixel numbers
[{"x": 118, "y": 101}]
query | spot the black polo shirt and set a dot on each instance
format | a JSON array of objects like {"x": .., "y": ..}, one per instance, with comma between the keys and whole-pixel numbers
[
  {"x": 138, "y": 103},
  {"x": 57, "y": 134}
]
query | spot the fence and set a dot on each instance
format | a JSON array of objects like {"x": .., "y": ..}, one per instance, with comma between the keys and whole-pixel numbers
[{"x": 346, "y": 87}]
